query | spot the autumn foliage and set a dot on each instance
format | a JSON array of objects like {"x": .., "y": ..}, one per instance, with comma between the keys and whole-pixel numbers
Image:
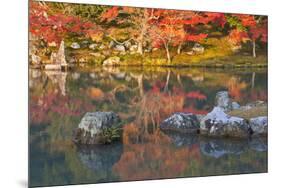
[{"x": 170, "y": 30}]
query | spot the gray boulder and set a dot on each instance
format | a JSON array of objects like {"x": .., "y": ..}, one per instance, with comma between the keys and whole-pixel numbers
[
  {"x": 120, "y": 48},
  {"x": 181, "y": 122},
  {"x": 223, "y": 101},
  {"x": 235, "y": 105},
  {"x": 111, "y": 61},
  {"x": 75, "y": 45},
  {"x": 93, "y": 46},
  {"x": 218, "y": 124},
  {"x": 198, "y": 48},
  {"x": 259, "y": 125},
  {"x": 255, "y": 104},
  {"x": 93, "y": 124}
]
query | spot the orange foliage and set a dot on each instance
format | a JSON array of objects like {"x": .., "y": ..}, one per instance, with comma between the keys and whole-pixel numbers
[{"x": 96, "y": 93}]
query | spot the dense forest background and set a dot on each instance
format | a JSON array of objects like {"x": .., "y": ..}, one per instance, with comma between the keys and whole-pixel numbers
[{"x": 92, "y": 33}]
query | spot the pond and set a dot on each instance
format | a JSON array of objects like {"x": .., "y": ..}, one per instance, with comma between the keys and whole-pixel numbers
[{"x": 142, "y": 97}]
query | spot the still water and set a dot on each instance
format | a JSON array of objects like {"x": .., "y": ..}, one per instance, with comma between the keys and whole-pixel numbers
[{"x": 142, "y": 98}]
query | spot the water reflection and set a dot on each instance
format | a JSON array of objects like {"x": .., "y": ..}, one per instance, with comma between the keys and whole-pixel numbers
[{"x": 142, "y": 97}]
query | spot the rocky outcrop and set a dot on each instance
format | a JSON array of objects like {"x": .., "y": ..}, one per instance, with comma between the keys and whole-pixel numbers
[
  {"x": 217, "y": 123},
  {"x": 223, "y": 101},
  {"x": 259, "y": 125},
  {"x": 181, "y": 122},
  {"x": 92, "y": 127},
  {"x": 59, "y": 57}
]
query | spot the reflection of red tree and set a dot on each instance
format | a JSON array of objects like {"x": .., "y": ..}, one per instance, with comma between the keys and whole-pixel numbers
[
  {"x": 257, "y": 94},
  {"x": 52, "y": 101},
  {"x": 235, "y": 88},
  {"x": 157, "y": 158},
  {"x": 196, "y": 95}
]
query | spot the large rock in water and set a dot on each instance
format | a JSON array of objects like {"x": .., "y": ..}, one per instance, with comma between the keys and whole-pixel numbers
[
  {"x": 259, "y": 125},
  {"x": 218, "y": 124},
  {"x": 93, "y": 124},
  {"x": 181, "y": 122}
]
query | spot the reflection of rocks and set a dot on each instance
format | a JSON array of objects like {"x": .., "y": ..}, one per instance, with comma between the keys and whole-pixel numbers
[
  {"x": 111, "y": 61},
  {"x": 259, "y": 125},
  {"x": 218, "y": 123},
  {"x": 58, "y": 77},
  {"x": 100, "y": 159},
  {"x": 258, "y": 144},
  {"x": 180, "y": 139},
  {"x": 181, "y": 122},
  {"x": 90, "y": 129},
  {"x": 75, "y": 76},
  {"x": 219, "y": 147}
]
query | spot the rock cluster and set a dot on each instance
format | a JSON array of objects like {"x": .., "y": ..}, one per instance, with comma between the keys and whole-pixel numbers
[{"x": 218, "y": 123}]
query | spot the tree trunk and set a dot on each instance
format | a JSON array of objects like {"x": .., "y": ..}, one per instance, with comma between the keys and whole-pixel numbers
[
  {"x": 140, "y": 49},
  {"x": 140, "y": 84},
  {"x": 179, "y": 48},
  {"x": 253, "y": 80},
  {"x": 179, "y": 79},
  {"x": 166, "y": 88},
  {"x": 168, "y": 53},
  {"x": 254, "y": 49}
]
